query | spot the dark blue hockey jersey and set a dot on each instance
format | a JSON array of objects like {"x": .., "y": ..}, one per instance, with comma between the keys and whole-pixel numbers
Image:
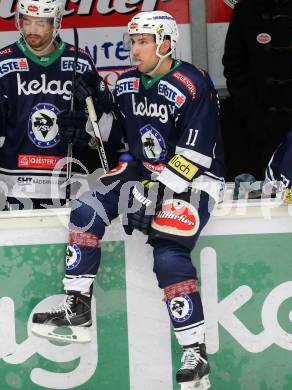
[
  {"x": 33, "y": 90},
  {"x": 279, "y": 172},
  {"x": 173, "y": 120}
]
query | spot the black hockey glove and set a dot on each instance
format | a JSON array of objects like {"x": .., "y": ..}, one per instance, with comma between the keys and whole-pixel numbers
[
  {"x": 145, "y": 199},
  {"x": 91, "y": 84},
  {"x": 72, "y": 127}
]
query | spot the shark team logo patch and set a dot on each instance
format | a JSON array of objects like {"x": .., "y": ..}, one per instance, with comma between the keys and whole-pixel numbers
[
  {"x": 73, "y": 256},
  {"x": 153, "y": 143},
  {"x": 42, "y": 128},
  {"x": 180, "y": 308}
]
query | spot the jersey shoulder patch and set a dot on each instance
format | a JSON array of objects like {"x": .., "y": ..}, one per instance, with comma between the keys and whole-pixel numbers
[
  {"x": 6, "y": 51},
  {"x": 83, "y": 54},
  {"x": 191, "y": 78},
  {"x": 129, "y": 70}
]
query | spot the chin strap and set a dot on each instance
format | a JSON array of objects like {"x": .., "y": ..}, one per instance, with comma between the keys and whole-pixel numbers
[
  {"x": 161, "y": 58},
  {"x": 156, "y": 67}
]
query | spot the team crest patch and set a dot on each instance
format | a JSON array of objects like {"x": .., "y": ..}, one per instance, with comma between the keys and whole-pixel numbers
[
  {"x": 180, "y": 308},
  {"x": 42, "y": 128},
  {"x": 73, "y": 256},
  {"x": 177, "y": 217},
  {"x": 154, "y": 148}
]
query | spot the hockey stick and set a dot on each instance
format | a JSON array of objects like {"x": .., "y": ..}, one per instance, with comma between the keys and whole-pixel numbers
[
  {"x": 99, "y": 143},
  {"x": 70, "y": 146}
]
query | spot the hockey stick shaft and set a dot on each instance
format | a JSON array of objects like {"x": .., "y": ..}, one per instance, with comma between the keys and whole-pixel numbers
[
  {"x": 99, "y": 143},
  {"x": 70, "y": 146}
]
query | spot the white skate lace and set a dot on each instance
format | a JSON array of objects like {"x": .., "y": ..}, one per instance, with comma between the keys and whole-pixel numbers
[
  {"x": 64, "y": 306},
  {"x": 191, "y": 358}
]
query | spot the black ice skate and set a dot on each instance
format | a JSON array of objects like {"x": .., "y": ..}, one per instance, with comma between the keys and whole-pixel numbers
[
  {"x": 193, "y": 374},
  {"x": 74, "y": 312}
]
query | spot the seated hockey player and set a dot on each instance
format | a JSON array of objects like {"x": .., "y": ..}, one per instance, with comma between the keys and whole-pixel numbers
[
  {"x": 167, "y": 112},
  {"x": 36, "y": 75}
]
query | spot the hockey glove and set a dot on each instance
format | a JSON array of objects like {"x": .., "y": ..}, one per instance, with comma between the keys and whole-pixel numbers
[
  {"x": 91, "y": 84},
  {"x": 146, "y": 197},
  {"x": 72, "y": 127}
]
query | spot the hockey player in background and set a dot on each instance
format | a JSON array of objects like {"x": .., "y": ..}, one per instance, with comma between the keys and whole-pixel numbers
[
  {"x": 35, "y": 90},
  {"x": 166, "y": 110},
  {"x": 278, "y": 174}
]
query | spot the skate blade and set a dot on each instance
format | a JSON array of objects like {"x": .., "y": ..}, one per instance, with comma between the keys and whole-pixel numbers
[
  {"x": 78, "y": 334},
  {"x": 202, "y": 384}
]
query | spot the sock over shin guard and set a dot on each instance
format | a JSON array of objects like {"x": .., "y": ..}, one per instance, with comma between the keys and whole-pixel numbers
[{"x": 186, "y": 312}]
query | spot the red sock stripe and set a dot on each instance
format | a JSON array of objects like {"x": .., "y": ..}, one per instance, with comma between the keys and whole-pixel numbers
[
  {"x": 84, "y": 239},
  {"x": 178, "y": 289}
]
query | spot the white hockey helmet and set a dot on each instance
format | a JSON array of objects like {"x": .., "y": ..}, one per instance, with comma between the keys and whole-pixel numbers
[
  {"x": 159, "y": 23},
  {"x": 40, "y": 8}
]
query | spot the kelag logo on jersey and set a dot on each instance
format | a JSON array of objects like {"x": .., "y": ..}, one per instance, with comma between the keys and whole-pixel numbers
[
  {"x": 129, "y": 85},
  {"x": 13, "y": 65},
  {"x": 42, "y": 127},
  {"x": 44, "y": 86},
  {"x": 153, "y": 144},
  {"x": 67, "y": 65},
  {"x": 171, "y": 93}
]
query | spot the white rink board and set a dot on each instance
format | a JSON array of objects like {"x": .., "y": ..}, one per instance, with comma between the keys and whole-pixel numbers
[{"x": 50, "y": 226}]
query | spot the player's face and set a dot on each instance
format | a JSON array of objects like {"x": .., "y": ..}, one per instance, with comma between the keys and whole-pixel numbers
[
  {"x": 38, "y": 32},
  {"x": 143, "y": 50}
]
